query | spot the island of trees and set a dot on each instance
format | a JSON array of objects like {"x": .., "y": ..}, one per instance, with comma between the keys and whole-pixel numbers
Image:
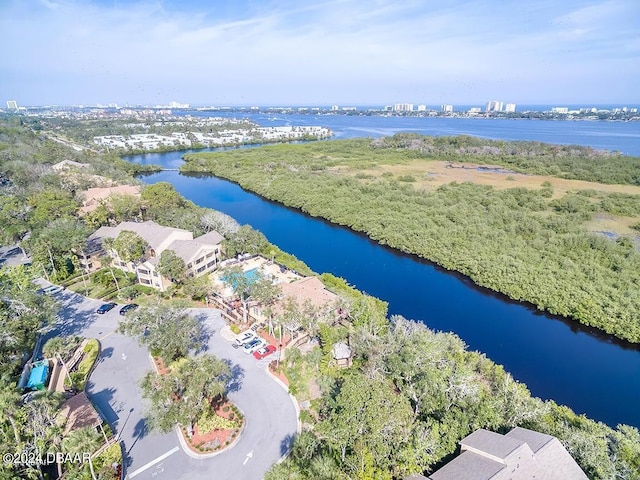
[{"x": 533, "y": 243}]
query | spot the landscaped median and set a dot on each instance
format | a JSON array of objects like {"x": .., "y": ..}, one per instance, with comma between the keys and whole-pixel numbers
[
  {"x": 191, "y": 392},
  {"x": 217, "y": 429}
]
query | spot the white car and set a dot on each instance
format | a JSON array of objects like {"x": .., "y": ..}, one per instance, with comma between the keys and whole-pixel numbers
[
  {"x": 52, "y": 289},
  {"x": 245, "y": 337}
]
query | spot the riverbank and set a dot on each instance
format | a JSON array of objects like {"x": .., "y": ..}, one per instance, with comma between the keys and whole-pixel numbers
[{"x": 517, "y": 241}]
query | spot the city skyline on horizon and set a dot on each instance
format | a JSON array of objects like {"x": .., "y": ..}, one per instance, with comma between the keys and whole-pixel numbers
[
  {"x": 346, "y": 106},
  {"x": 345, "y": 52}
]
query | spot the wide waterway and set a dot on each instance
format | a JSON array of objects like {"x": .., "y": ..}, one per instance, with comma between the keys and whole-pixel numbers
[{"x": 590, "y": 372}]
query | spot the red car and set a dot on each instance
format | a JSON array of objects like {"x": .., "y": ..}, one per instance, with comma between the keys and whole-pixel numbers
[{"x": 264, "y": 351}]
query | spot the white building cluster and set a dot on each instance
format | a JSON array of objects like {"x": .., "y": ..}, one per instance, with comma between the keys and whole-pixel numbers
[
  {"x": 251, "y": 134},
  {"x": 143, "y": 141}
]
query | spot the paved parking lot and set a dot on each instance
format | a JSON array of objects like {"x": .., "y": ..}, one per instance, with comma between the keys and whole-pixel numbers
[
  {"x": 271, "y": 417},
  {"x": 12, "y": 255}
]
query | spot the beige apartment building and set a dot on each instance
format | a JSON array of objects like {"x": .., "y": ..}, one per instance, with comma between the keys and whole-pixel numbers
[{"x": 201, "y": 255}]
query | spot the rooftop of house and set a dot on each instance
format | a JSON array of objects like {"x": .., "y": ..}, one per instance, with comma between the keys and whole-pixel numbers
[
  {"x": 468, "y": 466},
  {"x": 69, "y": 164},
  {"x": 78, "y": 412},
  {"x": 535, "y": 440},
  {"x": 491, "y": 443},
  {"x": 520, "y": 454},
  {"x": 309, "y": 289},
  {"x": 188, "y": 250},
  {"x": 210, "y": 238},
  {"x": 152, "y": 233},
  {"x": 341, "y": 351},
  {"x": 91, "y": 198}
]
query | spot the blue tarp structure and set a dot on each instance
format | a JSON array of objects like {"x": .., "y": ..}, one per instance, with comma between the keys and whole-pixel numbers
[{"x": 38, "y": 375}]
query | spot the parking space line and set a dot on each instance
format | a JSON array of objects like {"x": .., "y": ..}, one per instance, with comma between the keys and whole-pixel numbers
[
  {"x": 153, "y": 462},
  {"x": 105, "y": 336}
]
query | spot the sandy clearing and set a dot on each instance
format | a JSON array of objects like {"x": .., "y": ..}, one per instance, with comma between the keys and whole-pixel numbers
[{"x": 432, "y": 174}]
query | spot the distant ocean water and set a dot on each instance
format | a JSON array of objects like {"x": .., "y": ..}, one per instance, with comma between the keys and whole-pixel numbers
[{"x": 623, "y": 137}]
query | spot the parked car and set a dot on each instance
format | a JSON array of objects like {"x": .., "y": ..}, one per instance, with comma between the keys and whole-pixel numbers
[
  {"x": 52, "y": 289},
  {"x": 264, "y": 352},
  {"x": 105, "y": 308},
  {"x": 244, "y": 337},
  {"x": 128, "y": 308},
  {"x": 253, "y": 345}
]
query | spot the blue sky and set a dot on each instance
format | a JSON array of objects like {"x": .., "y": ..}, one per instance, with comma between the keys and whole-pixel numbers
[{"x": 319, "y": 52}]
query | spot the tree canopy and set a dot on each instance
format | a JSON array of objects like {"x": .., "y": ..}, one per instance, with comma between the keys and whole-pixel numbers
[
  {"x": 168, "y": 332},
  {"x": 184, "y": 393},
  {"x": 172, "y": 266},
  {"x": 130, "y": 246}
]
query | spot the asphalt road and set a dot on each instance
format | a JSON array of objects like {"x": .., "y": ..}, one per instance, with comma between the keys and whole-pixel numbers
[
  {"x": 11, "y": 255},
  {"x": 271, "y": 418}
]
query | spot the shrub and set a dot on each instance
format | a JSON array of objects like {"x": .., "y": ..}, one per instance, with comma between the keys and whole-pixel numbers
[
  {"x": 407, "y": 178},
  {"x": 211, "y": 421}
]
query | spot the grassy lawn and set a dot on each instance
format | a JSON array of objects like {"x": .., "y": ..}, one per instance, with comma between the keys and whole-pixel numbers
[{"x": 91, "y": 352}]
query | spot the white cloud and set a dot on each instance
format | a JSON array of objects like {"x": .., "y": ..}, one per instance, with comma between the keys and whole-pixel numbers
[{"x": 316, "y": 51}]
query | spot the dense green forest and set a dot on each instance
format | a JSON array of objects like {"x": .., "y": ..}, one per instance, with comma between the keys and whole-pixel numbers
[
  {"x": 413, "y": 394},
  {"x": 516, "y": 241}
]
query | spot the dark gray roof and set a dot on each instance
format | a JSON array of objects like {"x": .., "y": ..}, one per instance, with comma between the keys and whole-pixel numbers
[
  {"x": 535, "y": 440},
  {"x": 488, "y": 455},
  {"x": 468, "y": 466},
  {"x": 491, "y": 443}
]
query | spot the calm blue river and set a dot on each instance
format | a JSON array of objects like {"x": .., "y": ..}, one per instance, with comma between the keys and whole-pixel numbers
[{"x": 557, "y": 359}]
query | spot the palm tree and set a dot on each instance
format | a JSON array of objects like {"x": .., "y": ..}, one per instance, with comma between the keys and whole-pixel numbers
[
  {"x": 10, "y": 405},
  {"x": 82, "y": 440}
]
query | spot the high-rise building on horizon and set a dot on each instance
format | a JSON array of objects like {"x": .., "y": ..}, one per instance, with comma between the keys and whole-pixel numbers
[
  {"x": 446, "y": 108},
  {"x": 510, "y": 108},
  {"x": 12, "y": 105},
  {"x": 494, "y": 106},
  {"x": 403, "y": 107}
]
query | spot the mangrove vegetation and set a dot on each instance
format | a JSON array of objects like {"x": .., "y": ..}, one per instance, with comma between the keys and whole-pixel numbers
[{"x": 529, "y": 244}]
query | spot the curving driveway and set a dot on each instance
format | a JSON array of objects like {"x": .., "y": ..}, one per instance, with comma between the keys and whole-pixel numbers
[{"x": 271, "y": 418}]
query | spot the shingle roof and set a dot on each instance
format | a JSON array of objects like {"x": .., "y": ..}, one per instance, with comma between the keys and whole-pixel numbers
[
  {"x": 468, "y": 466},
  {"x": 488, "y": 455},
  {"x": 210, "y": 238},
  {"x": 151, "y": 232},
  {"x": 535, "y": 440},
  {"x": 67, "y": 164},
  {"x": 341, "y": 351},
  {"x": 491, "y": 443},
  {"x": 309, "y": 288},
  {"x": 93, "y": 196},
  {"x": 78, "y": 412}
]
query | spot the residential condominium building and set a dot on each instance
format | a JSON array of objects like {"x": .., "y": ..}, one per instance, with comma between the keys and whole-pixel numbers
[
  {"x": 494, "y": 106},
  {"x": 201, "y": 255},
  {"x": 521, "y": 454},
  {"x": 403, "y": 107}
]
